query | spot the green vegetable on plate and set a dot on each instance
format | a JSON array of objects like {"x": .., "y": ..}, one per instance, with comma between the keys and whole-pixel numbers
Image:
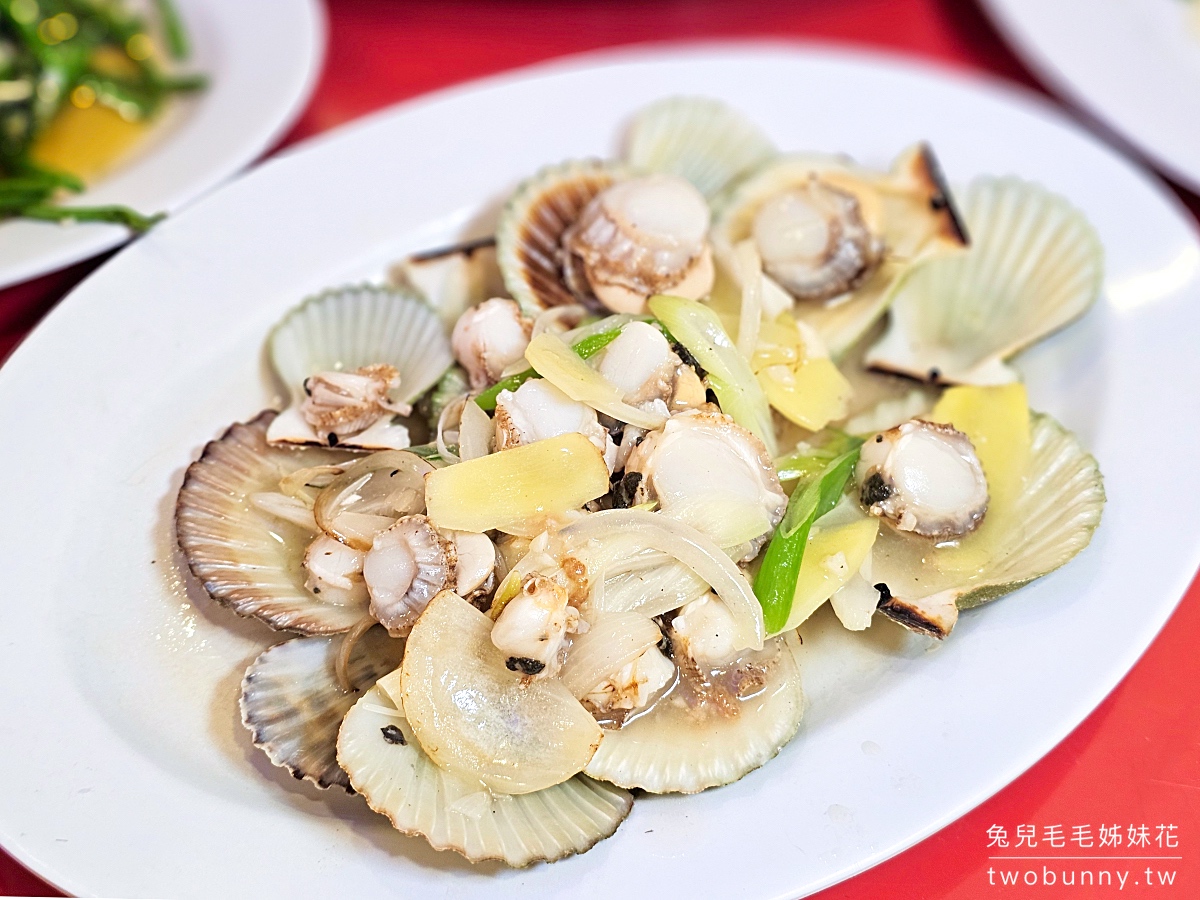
[{"x": 817, "y": 491}]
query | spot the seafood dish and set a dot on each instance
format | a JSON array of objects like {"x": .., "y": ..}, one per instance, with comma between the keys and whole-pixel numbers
[{"x": 543, "y": 511}]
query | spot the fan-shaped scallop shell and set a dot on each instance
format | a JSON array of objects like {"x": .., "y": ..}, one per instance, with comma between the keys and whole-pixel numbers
[
  {"x": 347, "y": 328},
  {"x": 451, "y": 279},
  {"x": 1035, "y": 265},
  {"x": 697, "y": 138},
  {"x": 293, "y": 706},
  {"x": 247, "y": 560},
  {"x": 452, "y": 813},
  {"x": 530, "y": 230},
  {"x": 677, "y": 749},
  {"x": 1058, "y": 511}
]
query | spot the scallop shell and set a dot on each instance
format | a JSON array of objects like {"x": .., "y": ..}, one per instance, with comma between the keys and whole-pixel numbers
[
  {"x": 247, "y": 560},
  {"x": 697, "y": 138},
  {"x": 453, "y": 813},
  {"x": 1035, "y": 265},
  {"x": 451, "y": 279},
  {"x": 1064, "y": 496},
  {"x": 909, "y": 206},
  {"x": 1052, "y": 520},
  {"x": 350, "y": 327},
  {"x": 293, "y": 706},
  {"x": 531, "y": 226},
  {"x": 671, "y": 749}
]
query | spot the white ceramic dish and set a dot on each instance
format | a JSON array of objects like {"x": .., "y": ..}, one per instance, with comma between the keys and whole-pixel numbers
[
  {"x": 129, "y": 773},
  {"x": 262, "y": 60},
  {"x": 1134, "y": 64}
]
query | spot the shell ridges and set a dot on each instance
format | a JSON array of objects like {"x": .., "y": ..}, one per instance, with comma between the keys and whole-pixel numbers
[
  {"x": 697, "y": 138},
  {"x": 1034, "y": 266},
  {"x": 230, "y": 547},
  {"x": 359, "y": 325},
  {"x": 293, "y": 706},
  {"x": 665, "y": 751},
  {"x": 1059, "y": 508},
  {"x": 402, "y": 783},
  {"x": 532, "y": 224}
]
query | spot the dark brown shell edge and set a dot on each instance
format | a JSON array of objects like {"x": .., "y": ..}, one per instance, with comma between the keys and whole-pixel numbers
[
  {"x": 552, "y": 201},
  {"x": 374, "y": 656},
  {"x": 928, "y": 172},
  {"x": 197, "y": 524},
  {"x": 911, "y": 615}
]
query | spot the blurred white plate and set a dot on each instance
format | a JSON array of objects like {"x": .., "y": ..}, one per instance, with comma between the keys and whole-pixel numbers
[
  {"x": 262, "y": 60},
  {"x": 119, "y": 725},
  {"x": 1134, "y": 64}
]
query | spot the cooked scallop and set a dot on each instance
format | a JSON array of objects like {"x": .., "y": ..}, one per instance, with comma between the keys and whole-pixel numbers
[
  {"x": 925, "y": 478},
  {"x": 406, "y": 567},
  {"x": 488, "y": 338},
  {"x": 353, "y": 359},
  {"x": 711, "y": 729},
  {"x": 705, "y": 460},
  {"x": 640, "y": 237}
]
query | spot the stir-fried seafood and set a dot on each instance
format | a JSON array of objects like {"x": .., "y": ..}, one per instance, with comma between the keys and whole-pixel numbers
[{"x": 646, "y": 468}]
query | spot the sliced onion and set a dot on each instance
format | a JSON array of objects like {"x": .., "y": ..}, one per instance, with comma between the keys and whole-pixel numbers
[
  {"x": 372, "y": 491},
  {"x": 775, "y": 300},
  {"x": 650, "y": 591},
  {"x": 613, "y": 641},
  {"x": 358, "y": 530},
  {"x": 475, "y": 432},
  {"x": 305, "y": 484},
  {"x": 557, "y": 363},
  {"x": 750, "y": 318},
  {"x": 516, "y": 367},
  {"x": 560, "y": 319},
  {"x": 449, "y": 423},
  {"x": 691, "y": 548},
  {"x": 855, "y": 603},
  {"x": 627, "y": 576},
  {"x": 476, "y": 718},
  {"x": 727, "y": 519},
  {"x": 292, "y": 510},
  {"x": 613, "y": 551}
]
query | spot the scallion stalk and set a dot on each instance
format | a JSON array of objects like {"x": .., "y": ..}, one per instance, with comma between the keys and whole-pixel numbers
[
  {"x": 813, "y": 496},
  {"x": 699, "y": 330}
]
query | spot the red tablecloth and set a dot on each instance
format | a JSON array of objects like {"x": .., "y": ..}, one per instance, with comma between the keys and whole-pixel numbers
[{"x": 1136, "y": 760}]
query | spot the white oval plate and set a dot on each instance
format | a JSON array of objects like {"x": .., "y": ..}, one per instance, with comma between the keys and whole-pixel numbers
[
  {"x": 262, "y": 60},
  {"x": 1134, "y": 64},
  {"x": 119, "y": 726}
]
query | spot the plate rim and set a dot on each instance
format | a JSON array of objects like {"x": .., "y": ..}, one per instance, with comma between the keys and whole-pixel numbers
[{"x": 1098, "y": 112}]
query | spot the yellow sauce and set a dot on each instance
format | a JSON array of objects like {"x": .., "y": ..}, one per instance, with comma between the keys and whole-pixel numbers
[{"x": 86, "y": 142}]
